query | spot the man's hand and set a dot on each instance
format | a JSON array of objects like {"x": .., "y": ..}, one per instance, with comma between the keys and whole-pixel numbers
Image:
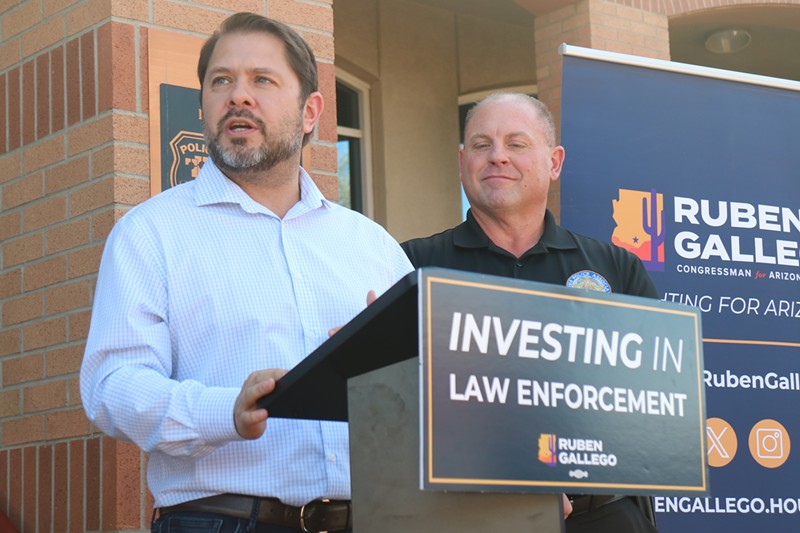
[
  {"x": 250, "y": 420},
  {"x": 567, "y": 506},
  {"x": 371, "y": 297}
]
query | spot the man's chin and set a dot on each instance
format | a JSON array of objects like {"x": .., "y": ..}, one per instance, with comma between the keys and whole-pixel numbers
[
  {"x": 247, "y": 157},
  {"x": 240, "y": 155},
  {"x": 500, "y": 203},
  {"x": 240, "y": 143},
  {"x": 240, "y": 166}
]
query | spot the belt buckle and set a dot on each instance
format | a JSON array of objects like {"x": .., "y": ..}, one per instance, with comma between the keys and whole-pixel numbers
[{"x": 302, "y": 515}]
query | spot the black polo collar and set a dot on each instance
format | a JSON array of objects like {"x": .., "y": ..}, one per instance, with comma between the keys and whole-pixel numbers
[{"x": 469, "y": 234}]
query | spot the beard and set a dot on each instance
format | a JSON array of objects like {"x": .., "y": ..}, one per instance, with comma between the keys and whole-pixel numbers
[{"x": 239, "y": 159}]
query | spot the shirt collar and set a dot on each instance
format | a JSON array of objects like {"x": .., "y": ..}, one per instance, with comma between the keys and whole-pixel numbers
[
  {"x": 469, "y": 234},
  {"x": 214, "y": 187}
]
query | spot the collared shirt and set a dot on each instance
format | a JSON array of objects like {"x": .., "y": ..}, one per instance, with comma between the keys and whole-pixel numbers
[
  {"x": 200, "y": 286},
  {"x": 558, "y": 256}
]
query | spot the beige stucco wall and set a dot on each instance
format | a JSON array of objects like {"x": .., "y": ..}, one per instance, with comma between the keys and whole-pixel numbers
[
  {"x": 494, "y": 55},
  {"x": 356, "y": 25},
  {"x": 416, "y": 99},
  {"x": 418, "y": 60}
]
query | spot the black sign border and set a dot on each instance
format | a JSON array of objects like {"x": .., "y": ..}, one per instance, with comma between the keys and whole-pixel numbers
[{"x": 426, "y": 404}]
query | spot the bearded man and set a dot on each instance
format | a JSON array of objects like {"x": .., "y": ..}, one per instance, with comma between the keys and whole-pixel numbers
[{"x": 194, "y": 322}]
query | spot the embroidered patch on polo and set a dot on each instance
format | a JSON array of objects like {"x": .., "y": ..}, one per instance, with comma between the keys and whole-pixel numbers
[{"x": 589, "y": 280}]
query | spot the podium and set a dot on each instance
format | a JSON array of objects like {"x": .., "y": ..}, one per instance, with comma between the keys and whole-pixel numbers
[
  {"x": 474, "y": 401},
  {"x": 369, "y": 375},
  {"x": 385, "y": 469}
]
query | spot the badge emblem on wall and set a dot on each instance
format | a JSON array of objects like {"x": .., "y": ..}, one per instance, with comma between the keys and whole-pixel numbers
[{"x": 188, "y": 155}]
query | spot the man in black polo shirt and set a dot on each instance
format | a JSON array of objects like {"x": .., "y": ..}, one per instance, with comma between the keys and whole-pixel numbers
[{"x": 509, "y": 159}]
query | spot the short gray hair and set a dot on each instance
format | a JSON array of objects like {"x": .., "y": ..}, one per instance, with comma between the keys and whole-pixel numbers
[{"x": 548, "y": 123}]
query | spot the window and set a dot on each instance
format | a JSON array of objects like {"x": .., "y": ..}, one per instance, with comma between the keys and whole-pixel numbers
[{"x": 352, "y": 146}]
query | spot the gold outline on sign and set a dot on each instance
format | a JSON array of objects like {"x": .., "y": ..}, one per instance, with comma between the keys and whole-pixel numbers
[
  {"x": 759, "y": 343},
  {"x": 465, "y": 481}
]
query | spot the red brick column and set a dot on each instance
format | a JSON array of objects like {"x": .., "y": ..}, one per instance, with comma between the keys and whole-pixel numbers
[{"x": 74, "y": 157}]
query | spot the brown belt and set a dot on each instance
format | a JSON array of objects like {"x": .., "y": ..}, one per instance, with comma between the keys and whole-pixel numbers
[
  {"x": 318, "y": 515},
  {"x": 590, "y": 502}
]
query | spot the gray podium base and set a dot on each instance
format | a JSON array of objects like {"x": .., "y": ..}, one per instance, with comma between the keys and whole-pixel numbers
[{"x": 383, "y": 409}]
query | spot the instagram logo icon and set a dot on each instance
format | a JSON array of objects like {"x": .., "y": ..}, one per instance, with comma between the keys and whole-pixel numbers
[{"x": 769, "y": 443}]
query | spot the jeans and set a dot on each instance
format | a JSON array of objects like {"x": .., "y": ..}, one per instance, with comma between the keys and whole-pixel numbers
[{"x": 193, "y": 522}]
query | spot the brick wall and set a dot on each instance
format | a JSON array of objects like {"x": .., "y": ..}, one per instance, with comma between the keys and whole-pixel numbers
[{"x": 74, "y": 157}]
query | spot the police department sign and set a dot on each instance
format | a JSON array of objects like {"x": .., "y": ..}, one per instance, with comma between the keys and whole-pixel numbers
[
  {"x": 189, "y": 152},
  {"x": 183, "y": 148}
]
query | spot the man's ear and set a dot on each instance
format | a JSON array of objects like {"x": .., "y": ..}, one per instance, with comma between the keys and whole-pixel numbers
[
  {"x": 557, "y": 156},
  {"x": 312, "y": 110},
  {"x": 460, "y": 163}
]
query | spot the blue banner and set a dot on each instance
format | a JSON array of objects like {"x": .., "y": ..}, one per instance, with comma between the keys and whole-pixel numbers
[{"x": 698, "y": 173}]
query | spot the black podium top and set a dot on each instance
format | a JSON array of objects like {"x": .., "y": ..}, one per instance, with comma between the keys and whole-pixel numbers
[{"x": 382, "y": 334}]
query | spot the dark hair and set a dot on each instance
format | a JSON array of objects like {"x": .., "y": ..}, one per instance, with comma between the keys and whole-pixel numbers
[{"x": 298, "y": 53}]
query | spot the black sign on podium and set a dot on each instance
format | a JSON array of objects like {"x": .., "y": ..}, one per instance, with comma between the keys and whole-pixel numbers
[{"x": 535, "y": 387}]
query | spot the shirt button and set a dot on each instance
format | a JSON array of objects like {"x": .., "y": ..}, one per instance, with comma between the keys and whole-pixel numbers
[
  {"x": 332, "y": 458},
  {"x": 519, "y": 264}
]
